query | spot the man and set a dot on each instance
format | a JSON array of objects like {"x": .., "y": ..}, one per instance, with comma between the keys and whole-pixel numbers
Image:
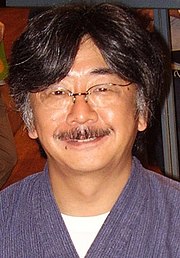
[
  {"x": 7, "y": 146},
  {"x": 86, "y": 79}
]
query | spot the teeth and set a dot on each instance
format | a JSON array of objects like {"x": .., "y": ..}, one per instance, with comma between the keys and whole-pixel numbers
[{"x": 84, "y": 140}]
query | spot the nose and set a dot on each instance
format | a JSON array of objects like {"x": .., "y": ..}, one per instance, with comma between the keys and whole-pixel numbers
[{"x": 81, "y": 112}]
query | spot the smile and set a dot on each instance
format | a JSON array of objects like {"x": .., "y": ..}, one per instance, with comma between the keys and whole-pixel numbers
[
  {"x": 82, "y": 134},
  {"x": 83, "y": 140}
]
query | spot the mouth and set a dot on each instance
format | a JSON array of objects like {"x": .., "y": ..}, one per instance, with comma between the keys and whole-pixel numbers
[
  {"x": 83, "y": 140},
  {"x": 83, "y": 134}
]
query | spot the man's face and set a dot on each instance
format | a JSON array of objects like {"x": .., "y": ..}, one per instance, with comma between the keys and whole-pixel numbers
[{"x": 82, "y": 136}]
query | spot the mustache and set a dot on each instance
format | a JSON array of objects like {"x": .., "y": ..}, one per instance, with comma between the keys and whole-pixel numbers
[{"x": 82, "y": 133}]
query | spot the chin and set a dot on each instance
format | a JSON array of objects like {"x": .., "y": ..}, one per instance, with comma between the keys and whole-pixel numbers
[{"x": 86, "y": 166}]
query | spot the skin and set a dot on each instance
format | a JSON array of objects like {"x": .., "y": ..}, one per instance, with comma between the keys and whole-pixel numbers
[{"x": 88, "y": 176}]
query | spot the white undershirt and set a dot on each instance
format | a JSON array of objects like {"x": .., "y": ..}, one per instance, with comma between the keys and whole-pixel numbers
[{"x": 83, "y": 230}]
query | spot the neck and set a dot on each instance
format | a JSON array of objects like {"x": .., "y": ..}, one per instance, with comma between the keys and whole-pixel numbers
[{"x": 88, "y": 193}]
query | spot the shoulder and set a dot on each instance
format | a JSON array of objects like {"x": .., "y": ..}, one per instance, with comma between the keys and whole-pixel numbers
[
  {"x": 20, "y": 185},
  {"x": 162, "y": 184},
  {"x": 159, "y": 187},
  {"x": 161, "y": 207},
  {"x": 19, "y": 195},
  {"x": 158, "y": 200},
  {"x": 156, "y": 179},
  {"x": 162, "y": 197}
]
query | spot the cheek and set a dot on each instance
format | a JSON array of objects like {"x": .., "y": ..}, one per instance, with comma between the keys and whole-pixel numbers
[
  {"x": 119, "y": 115},
  {"x": 46, "y": 122}
]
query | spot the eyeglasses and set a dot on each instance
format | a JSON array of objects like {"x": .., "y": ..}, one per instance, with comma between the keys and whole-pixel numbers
[{"x": 101, "y": 95}]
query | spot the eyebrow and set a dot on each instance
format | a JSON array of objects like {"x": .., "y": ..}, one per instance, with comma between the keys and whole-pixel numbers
[{"x": 102, "y": 71}]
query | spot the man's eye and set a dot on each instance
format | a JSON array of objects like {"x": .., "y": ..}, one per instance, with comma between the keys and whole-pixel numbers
[
  {"x": 102, "y": 89},
  {"x": 58, "y": 92}
]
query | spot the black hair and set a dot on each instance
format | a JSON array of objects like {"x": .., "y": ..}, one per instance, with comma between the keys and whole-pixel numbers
[{"x": 46, "y": 50}]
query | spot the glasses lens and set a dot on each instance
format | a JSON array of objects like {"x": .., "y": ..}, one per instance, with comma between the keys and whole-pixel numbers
[
  {"x": 55, "y": 97},
  {"x": 103, "y": 95}
]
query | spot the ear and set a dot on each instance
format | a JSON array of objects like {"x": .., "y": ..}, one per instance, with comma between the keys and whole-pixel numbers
[
  {"x": 32, "y": 133},
  {"x": 142, "y": 122}
]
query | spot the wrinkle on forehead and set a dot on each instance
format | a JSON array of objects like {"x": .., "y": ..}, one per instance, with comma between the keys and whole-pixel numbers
[{"x": 88, "y": 59}]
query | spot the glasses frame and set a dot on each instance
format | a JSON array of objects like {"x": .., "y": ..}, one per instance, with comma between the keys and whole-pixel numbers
[{"x": 88, "y": 91}]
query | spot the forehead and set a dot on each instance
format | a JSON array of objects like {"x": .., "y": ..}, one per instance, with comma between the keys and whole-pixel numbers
[{"x": 88, "y": 58}]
